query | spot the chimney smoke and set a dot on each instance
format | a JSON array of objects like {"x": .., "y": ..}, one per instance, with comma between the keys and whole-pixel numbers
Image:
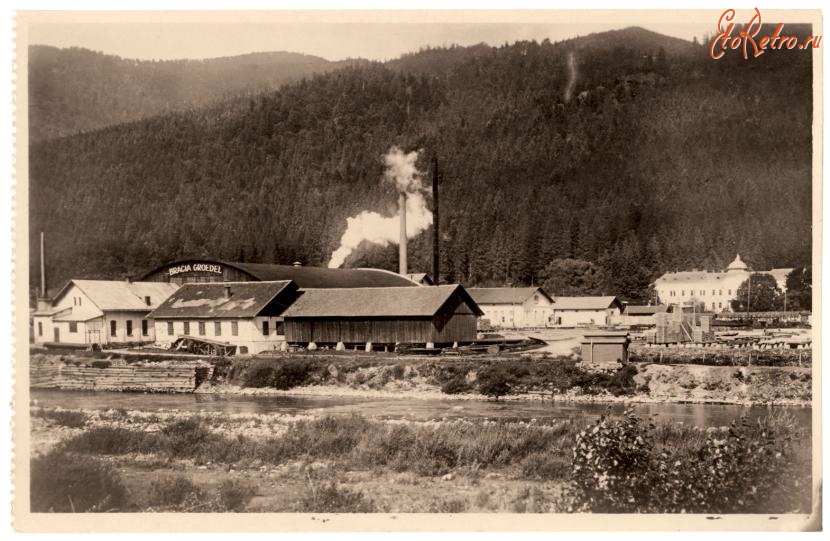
[{"x": 402, "y": 251}]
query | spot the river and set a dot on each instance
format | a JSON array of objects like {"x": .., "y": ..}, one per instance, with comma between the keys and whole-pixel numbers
[{"x": 389, "y": 408}]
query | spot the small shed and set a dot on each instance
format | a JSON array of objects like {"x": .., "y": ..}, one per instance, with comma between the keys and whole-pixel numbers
[
  {"x": 605, "y": 347},
  {"x": 382, "y": 316}
]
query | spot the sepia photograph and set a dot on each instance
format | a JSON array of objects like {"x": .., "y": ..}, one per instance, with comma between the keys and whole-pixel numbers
[{"x": 343, "y": 269}]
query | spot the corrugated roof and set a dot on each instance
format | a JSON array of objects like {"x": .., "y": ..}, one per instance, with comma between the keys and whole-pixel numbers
[
  {"x": 120, "y": 295},
  {"x": 632, "y": 310},
  {"x": 324, "y": 278},
  {"x": 583, "y": 303},
  {"x": 504, "y": 295},
  {"x": 205, "y": 300},
  {"x": 376, "y": 302}
]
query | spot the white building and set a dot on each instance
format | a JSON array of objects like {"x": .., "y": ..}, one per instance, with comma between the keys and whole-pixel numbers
[
  {"x": 514, "y": 307},
  {"x": 714, "y": 290},
  {"x": 247, "y": 315},
  {"x": 86, "y": 312},
  {"x": 585, "y": 311}
]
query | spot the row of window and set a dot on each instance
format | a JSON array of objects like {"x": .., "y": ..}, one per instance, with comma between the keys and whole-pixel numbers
[
  {"x": 73, "y": 328},
  {"x": 114, "y": 327},
  {"x": 717, "y": 292},
  {"x": 201, "y": 327}
]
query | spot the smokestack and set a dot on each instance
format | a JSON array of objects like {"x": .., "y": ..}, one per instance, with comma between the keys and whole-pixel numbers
[
  {"x": 436, "y": 252},
  {"x": 402, "y": 256},
  {"x": 42, "y": 267}
]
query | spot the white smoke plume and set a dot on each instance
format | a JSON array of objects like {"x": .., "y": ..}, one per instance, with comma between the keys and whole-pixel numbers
[
  {"x": 572, "y": 75},
  {"x": 371, "y": 226}
]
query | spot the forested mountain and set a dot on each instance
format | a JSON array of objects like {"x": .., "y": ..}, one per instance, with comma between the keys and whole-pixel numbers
[
  {"x": 75, "y": 90},
  {"x": 662, "y": 159}
]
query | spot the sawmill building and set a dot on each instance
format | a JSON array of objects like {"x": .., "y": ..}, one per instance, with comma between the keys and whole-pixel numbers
[
  {"x": 438, "y": 315},
  {"x": 246, "y": 316}
]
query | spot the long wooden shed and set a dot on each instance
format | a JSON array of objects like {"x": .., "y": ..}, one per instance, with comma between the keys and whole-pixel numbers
[{"x": 382, "y": 315}]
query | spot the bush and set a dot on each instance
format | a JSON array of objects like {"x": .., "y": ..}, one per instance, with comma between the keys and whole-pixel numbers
[
  {"x": 457, "y": 385},
  {"x": 71, "y": 419},
  {"x": 172, "y": 491},
  {"x": 281, "y": 374},
  {"x": 331, "y": 499},
  {"x": 545, "y": 465},
  {"x": 751, "y": 469},
  {"x": 495, "y": 381},
  {"x": 234, "y": 495},
  {"x": 64, "y": 483},
  {"x": 111, "y": 441}
]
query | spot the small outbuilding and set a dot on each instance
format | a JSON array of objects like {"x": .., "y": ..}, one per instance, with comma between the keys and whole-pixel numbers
[
  {"x": 605, "y": 347},
  {"x": 438, "y": 315}
]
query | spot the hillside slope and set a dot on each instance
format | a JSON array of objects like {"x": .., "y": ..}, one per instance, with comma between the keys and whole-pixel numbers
[
  {"x": 661, "y": 159},
  {"x": 76, "y": 90}
]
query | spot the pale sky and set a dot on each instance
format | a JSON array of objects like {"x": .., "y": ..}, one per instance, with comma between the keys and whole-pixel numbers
[{"x": 333, "y": 41}]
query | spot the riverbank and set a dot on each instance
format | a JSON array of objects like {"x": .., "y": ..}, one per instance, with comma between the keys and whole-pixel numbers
[
  {"x": 131, "y": 460},
  {"x": 503, "y": 378}
]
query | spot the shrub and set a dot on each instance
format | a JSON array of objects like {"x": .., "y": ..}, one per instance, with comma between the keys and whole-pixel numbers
[
  {"x": 111, "y": 441},
  {"x": 172, "y": 491},
  {"x": 63, "y": 483},
  {"x": 100, "y": 364},
  {"x": 751, "y": 469},
  {"x": 71, "y": 419},
  {"x": 281, "y": 374},
  {"x": 495, "y": 381},
  {"x": 186, "y": 437},
  {"x": 328, "y": 498},
  {"x": 457, "y": 385},
  {"x": 545, "y": 465},
  {"x": 234, "y": 494}
]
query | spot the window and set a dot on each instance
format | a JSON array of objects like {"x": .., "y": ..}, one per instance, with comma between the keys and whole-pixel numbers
[
  {"x": 147, "y": 300},
  {"x": 713, "y": 292},
  {"x": 720, "y": 305},
  {"x": 113, "y": 328},
  {"x": 73, "y": 326},
  {"x": 79, "y": 301},
  {"x": 217, "y": 328},
  {"x": 40, "y": 328},
  {"x": 144, "y": 329},
  {"x": 129, "y": 327},
  {"x": 720, "y": 292},
  {"x": 235, "y": 328},
  {"x": 713, "y": 306},
  {"x": 74, "y": 301},
  {"x": 280, "y": 328},
  {"x": 265, "y": 328},
  {"x": 186, "y": 327},
  {"x": 201, "y": 328},
  {"x": 702, "y": 292},
  {"x": 682, "y": 292},
  {"x": 170, "y": 328}
]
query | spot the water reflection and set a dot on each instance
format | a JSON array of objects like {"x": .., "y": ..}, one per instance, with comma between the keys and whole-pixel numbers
[{"x": 385, "y": 408}]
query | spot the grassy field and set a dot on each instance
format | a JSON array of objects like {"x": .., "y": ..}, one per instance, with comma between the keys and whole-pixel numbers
[{"x": 141, "y": 461}]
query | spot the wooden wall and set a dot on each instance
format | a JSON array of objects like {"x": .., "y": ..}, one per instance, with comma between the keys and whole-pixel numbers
[{"x": 440, "y": 329}]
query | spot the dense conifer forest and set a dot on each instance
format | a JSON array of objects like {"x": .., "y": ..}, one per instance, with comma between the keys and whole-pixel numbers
[{"x": 629, "y": 152}]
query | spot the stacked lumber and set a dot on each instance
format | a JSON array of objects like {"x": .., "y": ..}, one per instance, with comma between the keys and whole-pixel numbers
[{"x": 152, "y": 377}]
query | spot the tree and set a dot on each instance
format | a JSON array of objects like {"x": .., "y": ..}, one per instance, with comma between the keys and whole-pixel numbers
[
  {"x": 800, "y": 289},
  {"x": 495, "y": 381},
  {"x": 760, "y": 291},
  {"x": 573, "y": 277}
]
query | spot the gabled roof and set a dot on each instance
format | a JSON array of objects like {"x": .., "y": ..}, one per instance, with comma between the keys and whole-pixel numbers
[
  {"x": 120, "y": 295},
  {"x": 205, "y": 300},
  {"x": 634, "y": 310},
  {"x": 420, "y": 278},
  {"x": 504, "y": 295},
  {"x": 377, "y": 302},
  {"x": 584, "y": 303}
]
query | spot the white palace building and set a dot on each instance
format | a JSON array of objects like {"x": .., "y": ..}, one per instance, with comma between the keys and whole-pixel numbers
[{"x": 714, "y": 290}]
